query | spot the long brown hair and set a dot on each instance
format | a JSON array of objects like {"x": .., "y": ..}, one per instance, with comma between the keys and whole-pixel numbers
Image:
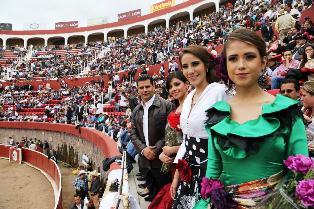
[
  {"x": 201, "y": 53},
  {"x": 246, "y": 36}
]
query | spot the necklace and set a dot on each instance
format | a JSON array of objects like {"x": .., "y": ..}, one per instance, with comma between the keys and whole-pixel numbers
[{"x": 195, "y": 98}]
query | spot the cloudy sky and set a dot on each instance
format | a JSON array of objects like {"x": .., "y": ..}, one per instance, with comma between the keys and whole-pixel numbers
[{"x": 45, "y": 13}]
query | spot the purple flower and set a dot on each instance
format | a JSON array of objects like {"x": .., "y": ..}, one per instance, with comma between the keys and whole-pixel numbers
[
  {"x": 221, "y": 199},
  {"x": 299, "y": 163},
  {"x": 209, "y": 185},
  {"x": 305, "y": 192},
  {"x": 215, "y": 190}
]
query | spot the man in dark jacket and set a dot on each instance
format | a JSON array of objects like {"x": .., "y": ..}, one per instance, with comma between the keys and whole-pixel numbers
[
  {"x": 78, "y": 202},
  {"x": 267, "y": 31},
  {"x": 95, "y": 182},
  {"x": 149, "y": 119}
]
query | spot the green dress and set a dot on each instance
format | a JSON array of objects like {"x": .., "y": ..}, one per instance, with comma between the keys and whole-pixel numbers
[{"x": 239, "y": 153}]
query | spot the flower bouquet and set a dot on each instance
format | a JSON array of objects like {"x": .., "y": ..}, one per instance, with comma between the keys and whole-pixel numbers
[
  {"x": 173, "y": 136},
  {"x": 215, "y": 190},
  {"x": 298, "y": 191},
  {"x": 184, "y": 171}
]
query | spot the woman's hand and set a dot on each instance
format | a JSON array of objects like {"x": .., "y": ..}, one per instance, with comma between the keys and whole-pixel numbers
[
  {"x": 307, "y": 118},
  {"x": 174, "y": 184},
  {"x": 167, "y": 150},
  {"x": 165, "y": 159}
]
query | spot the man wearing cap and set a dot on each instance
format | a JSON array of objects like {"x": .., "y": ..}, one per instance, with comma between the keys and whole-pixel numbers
[
  {"x": 299, "y": 48},
  {"x": 95, "y": 182},
  {"x": 81, "y": 184},
  {"x": 272, "y": 64}
]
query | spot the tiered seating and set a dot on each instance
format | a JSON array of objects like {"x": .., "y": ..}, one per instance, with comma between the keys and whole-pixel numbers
[
  {"x": 32, "y": 110},
  {"x": 109, "y": 108},
  {"x": 116, "y": 113},
  {"x": 6, "y": 106},
  {"x": 31, "y": 113},
  {"x": 54, "y": 101},
  {"x": 61, "y": 52},
  {"x": 7, "y": 56}
]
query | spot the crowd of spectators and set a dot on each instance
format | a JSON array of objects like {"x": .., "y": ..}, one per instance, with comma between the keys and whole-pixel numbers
[
  {"x": 163, "y": 45},
  {"x": 290, "y": 56}
]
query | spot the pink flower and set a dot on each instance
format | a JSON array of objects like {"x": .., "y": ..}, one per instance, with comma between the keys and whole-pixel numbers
[
  {"x": 299, "y": 163},
  {"x": 305, "y": 192}
]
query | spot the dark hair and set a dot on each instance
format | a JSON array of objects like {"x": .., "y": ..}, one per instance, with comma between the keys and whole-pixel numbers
[
  {"x": 179, "y": 75},
  {"x": 246, "y": 36},
  {"x": 291, "y": 80},
  {"x": 201, "y": 53},
  {"x": 286, "y": 49},
  {"x": 304, "y": 60},
  {"x": 77, "y": 195},
  {"x": 145, "y": 77}
]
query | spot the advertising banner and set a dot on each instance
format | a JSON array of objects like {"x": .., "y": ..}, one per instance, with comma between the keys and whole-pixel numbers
[
  {"x": 69, "y": 24},
  {"x": 162, "y": 5},
  {"x": 15, "y": 155},
  {"x": 129, "y": 15},
  {"x": 97, "y": 21},
  {"x": 5, "y": 26}
]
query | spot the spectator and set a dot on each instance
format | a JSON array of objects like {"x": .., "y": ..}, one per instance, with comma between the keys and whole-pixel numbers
[
  {"x": 307, "y": 63},
  {"x": 78, "y": 202},
  {"x": 81, "y": 185},
  {"x": 284, "y": 23},
  {"x": 290, "y": 88},
  {"x": 95, "y": 183},
  {"x": 280, "y": 72},
  {"x": 307, "y": 95},
  {"x": 147, "y": 134}
]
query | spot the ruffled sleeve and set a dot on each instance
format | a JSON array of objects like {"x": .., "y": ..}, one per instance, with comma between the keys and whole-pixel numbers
[
  {"x": 215, "y": 114},
  {"x": 237, "y": 140},
  {"x": 229, "y": 139}
]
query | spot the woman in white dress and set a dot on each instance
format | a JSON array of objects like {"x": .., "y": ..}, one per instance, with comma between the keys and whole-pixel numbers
[{"x": 198, "y": 67}]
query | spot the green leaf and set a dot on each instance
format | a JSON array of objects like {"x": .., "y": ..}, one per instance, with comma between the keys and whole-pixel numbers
[{"x": 309, "y": 174}]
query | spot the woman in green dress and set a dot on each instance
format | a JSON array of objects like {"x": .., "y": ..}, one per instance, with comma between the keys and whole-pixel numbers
[{"x": 252, "y": 133}]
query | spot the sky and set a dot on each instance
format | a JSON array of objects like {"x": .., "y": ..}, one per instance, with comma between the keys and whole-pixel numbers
[{"x": 44, "y": 13}]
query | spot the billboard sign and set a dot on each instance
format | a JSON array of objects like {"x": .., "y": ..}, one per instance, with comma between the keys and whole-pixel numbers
[
  {"x": 5, "y": 26},
  {"x": 162, "y": 5},
  {"x": 97, "y": 21},
  {"x": 129, "y": 15},
  {"x": 69, "y": 24}
]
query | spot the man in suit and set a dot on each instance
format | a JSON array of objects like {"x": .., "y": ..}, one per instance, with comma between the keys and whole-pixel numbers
[
  {"x": 149, "y": 119},
  {"x": 80, "y": 111},
  {"x": 267, "y": 31}
]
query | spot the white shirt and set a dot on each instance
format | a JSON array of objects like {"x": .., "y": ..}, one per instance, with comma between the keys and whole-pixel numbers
[
  {"x": 146, "y": 106},
  {"x": 192, "y": 121}
]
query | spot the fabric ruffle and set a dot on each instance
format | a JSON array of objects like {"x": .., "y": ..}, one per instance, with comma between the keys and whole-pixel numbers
[{"x": 236, "y": 139}]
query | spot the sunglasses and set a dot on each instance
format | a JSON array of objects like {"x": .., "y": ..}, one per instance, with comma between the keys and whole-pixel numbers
[{"x": 286, "y": 90}]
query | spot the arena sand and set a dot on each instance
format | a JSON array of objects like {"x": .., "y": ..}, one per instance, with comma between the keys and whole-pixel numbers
[{"x": 23, "y": 187}]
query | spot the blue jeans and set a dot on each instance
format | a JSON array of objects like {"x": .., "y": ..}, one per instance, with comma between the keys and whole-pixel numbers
[{"x": 131, "y": 149}]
